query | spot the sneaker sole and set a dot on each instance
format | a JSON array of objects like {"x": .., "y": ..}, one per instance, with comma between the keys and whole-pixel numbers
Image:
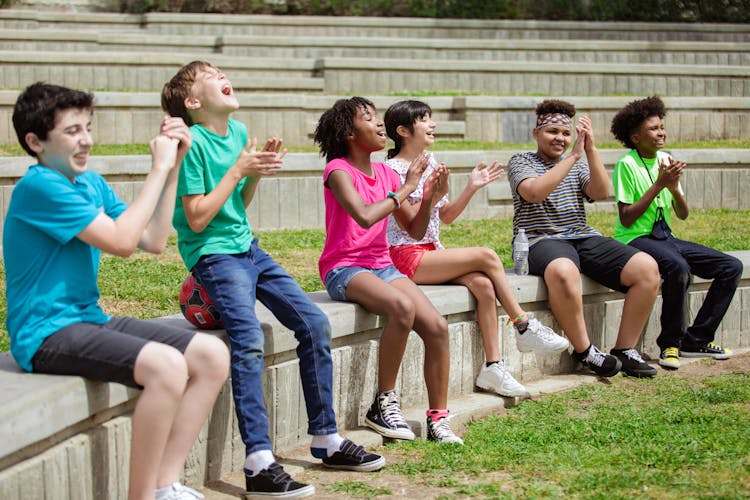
[
  {"x": 373, "y": 466},
  {"x": 669, "y": 364},
  {"x": 720, "y": 357},
  {"x": 612, "y": 373},
  {"x": 406, "y": 435},
  {"x": 641, "y": 374},
  {"x": 506, "y": 395},
  {"x": 307, "y": 491},
  {"x": 542, "y": 350}
]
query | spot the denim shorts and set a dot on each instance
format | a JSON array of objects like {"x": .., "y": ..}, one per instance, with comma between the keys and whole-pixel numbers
[{"x": 338, "y": 278}]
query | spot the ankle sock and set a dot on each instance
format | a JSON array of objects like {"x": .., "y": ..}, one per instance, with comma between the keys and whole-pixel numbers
[
  {"x": 434, "y": 415},
  {"x": 258, "y": 461},
  {"x": 520, "y": 323},
  {"x": 490, "y": 363},
  {"x": 163, "y": 492},
  {"x": 326, "y": 445}
]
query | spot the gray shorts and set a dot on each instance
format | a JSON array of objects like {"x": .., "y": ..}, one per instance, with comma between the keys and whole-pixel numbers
[{"x": 105, "y": 352}]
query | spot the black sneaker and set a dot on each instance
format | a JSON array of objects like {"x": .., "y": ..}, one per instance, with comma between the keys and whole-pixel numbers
[
  {"x": 632, "y": 363},
  {"x": 707, "y": 350},
  {"x": 385, "y": 418},
  {"x": 274, "y": 482},
  {"x": 354, "y": 457},
  {"x": 604, "y": 365}
]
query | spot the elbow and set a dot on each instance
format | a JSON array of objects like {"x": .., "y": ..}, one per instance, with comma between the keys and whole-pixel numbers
[
  {"x": 196, "y": 226},
  {"x": 533, "y": 198}
]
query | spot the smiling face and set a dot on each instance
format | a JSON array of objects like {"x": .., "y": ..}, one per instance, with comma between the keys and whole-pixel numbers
[
  {"x": 67, "y": 146},
  {"x": 369, "y": 131},
  {"x": 423, "y": 132},
  {"x": 552, "y": 141},
  {"x": 212, "y": 93},
  {"x": 650, "y": 136}
]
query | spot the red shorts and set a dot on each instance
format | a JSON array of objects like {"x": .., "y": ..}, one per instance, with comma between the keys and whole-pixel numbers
[{"x": 406, "y": 258}]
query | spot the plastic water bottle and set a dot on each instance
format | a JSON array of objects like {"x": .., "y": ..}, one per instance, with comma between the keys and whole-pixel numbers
[{"x": 521, "y": 254}]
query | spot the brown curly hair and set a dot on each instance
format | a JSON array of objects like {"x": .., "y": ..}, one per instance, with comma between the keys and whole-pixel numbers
[{"x": 555, "y": 106}]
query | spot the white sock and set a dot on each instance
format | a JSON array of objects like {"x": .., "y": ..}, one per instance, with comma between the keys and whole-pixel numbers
[
  {"x": 257, "y": 461},
  {"x": 331, "y": 443}
]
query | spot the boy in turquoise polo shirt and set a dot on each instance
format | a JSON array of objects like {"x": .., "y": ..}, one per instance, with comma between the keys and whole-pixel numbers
[
  {"x": 61, "y": 216},
  {"x": 647, "y": 188}
]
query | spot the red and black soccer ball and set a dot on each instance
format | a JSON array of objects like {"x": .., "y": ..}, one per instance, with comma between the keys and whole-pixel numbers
[{"x": 197, "y": 306}]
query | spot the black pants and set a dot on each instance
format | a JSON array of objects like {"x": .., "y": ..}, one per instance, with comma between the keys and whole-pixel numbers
[{"x": 677, "y": 260}]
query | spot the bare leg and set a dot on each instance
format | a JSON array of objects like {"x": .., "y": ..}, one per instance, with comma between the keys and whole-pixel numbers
[
  {"x": 163, "y": 373},
  {"x": 208, "y": 366},
  {"x": 641, "y": 274},
  {"x": 432, "y": 328},
  {"x": 563, "y": 282},
  {"x": 482, "y": 289},
  {"x": 441, "y": 266},
  {"x": 379, "y": 297}
]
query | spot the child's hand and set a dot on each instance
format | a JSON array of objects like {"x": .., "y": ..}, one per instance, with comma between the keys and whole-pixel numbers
[
  {"x": 584, "y": 123},
  {"x": 670, "y": 172},
  {"x": 416, "y": 168},
  {"x": 483, "y": 175},
  {"x": 263, "y": 163},
  {"x": 175, "y": 128},
  {"x": 436, "y": 184},
  {"x": 163, "y": 152}
]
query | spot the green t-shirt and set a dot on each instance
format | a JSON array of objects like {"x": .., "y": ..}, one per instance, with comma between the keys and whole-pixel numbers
[
  {"x": 205, "y": 164},
  {"x": 632, "y": 177}
]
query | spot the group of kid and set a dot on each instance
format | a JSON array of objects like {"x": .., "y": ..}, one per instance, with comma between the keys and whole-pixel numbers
[{"x": 382, "y": 240}]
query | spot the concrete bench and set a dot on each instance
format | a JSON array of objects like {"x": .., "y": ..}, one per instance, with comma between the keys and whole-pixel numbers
[{"x": 71, "y": 436}]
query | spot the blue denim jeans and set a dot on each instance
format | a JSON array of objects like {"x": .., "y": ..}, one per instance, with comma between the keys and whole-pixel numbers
[
  {"x": 234, "y": 282},
  {"x": 677, "y": 260}
]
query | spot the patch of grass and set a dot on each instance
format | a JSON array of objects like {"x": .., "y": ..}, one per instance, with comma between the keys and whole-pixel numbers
[
  {"x": 443, "y": 145},
  {"x": 358, "y": 489},
  {"x": 675, "y": 438},
  {"x": 146, "y": 286}
]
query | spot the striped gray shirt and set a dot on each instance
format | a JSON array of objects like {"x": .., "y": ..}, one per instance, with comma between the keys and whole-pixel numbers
[{"x": 562, "y": 214}]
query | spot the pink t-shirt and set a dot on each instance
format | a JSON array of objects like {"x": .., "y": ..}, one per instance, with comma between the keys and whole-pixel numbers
[{"x": 348, "y": 243}]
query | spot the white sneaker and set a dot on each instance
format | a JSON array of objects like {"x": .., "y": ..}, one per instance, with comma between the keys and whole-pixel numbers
[
  {"x": 496, "y": 378},
  {"x": 177, "y": 491},
  {"x": 441, "y": 432},
  {"x": 538, "y": 337}
]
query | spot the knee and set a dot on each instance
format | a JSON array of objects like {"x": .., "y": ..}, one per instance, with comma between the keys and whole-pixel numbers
[
  {"x": 163, "y": 368},
  {"x": 563, "y": 276},
  {"x": 210, "y": 357},
  {"x": 676, "y": 273},
  {"x": 482, "y": 289},
  {"x": 401, "y": 311},
  {"x": 435, "y": 334},
  {"x": 734, "y": 269}
]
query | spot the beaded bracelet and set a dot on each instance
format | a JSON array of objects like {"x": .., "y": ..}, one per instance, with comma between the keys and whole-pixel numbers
[{"x": 394, "y": 197}]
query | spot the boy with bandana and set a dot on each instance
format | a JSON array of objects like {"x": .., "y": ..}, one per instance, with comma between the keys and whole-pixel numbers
[{"x": 549, "y": 189}]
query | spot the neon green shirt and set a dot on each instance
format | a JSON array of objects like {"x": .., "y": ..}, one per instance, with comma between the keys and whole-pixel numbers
[
  {"x": 209, "y": 158},
  {"x": 632, "y": 177}
]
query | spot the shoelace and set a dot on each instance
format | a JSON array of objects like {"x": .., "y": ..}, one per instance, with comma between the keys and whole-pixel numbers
[
  {"x": 711, "y": 345},
  {"x": 392, "y": 411},
  {"x": 671, "y": 352},
  {"x": 186, "y": 489},
  {"x": 595, "y": 356},
  {"x": 541, "y": 330},
  {"x": 634, "y": 355},
  {"x": 441, "y": 430}
]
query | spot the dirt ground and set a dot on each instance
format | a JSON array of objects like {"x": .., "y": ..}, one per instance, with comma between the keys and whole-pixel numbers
[{"x": 385, "y": 484}]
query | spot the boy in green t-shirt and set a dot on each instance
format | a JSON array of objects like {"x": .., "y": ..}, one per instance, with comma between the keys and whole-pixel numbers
[
  {"x": 647, "y": 187},
  {"x": 217, "y": 181}
]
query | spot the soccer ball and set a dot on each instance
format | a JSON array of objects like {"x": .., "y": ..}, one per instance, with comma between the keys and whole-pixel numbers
[{"x": 197, "y": 306}]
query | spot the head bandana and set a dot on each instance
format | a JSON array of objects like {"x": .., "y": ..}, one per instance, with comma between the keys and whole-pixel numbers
[{"x": 553, "y": 119}]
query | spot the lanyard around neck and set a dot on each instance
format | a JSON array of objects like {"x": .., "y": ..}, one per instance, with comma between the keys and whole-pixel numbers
[{"x": 658, "y": 199}]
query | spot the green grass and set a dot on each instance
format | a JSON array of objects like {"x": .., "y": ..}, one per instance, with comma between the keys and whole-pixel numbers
[
  {"x": 675, "y": 438},
  {"x": 146, "y": 286},
  {"x": 443, "y": 145}
]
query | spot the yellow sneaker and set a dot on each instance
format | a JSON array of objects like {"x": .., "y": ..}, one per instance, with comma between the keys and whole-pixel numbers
[{"x": 670, "y": 358}]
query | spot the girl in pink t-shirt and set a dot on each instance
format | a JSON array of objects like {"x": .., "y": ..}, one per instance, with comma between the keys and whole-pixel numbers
[{"x": 355, "y": 265}]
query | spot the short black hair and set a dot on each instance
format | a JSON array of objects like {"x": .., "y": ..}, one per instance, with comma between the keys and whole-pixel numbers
[
  {"x": 555, "y": 106},
  {"x": 37, "y": 106},
  {"x": 629, "y": 118},
  {"x": 336, "y": 124},
  {"x": 404, "y": 113}
]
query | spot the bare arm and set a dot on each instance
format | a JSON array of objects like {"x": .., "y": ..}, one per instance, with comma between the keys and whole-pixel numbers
[
  {"x": 537, "y": 189},
  {"x": 340, "y": 183},
  {"x": 414, "y": 219},
  {"x": 145, "y": 221},
  {"x": 668, "y": 178},
  {"x": 200, "y": 209},
  {"x": 599, "y": 185},
  {"x": 479, "y": 177}
]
